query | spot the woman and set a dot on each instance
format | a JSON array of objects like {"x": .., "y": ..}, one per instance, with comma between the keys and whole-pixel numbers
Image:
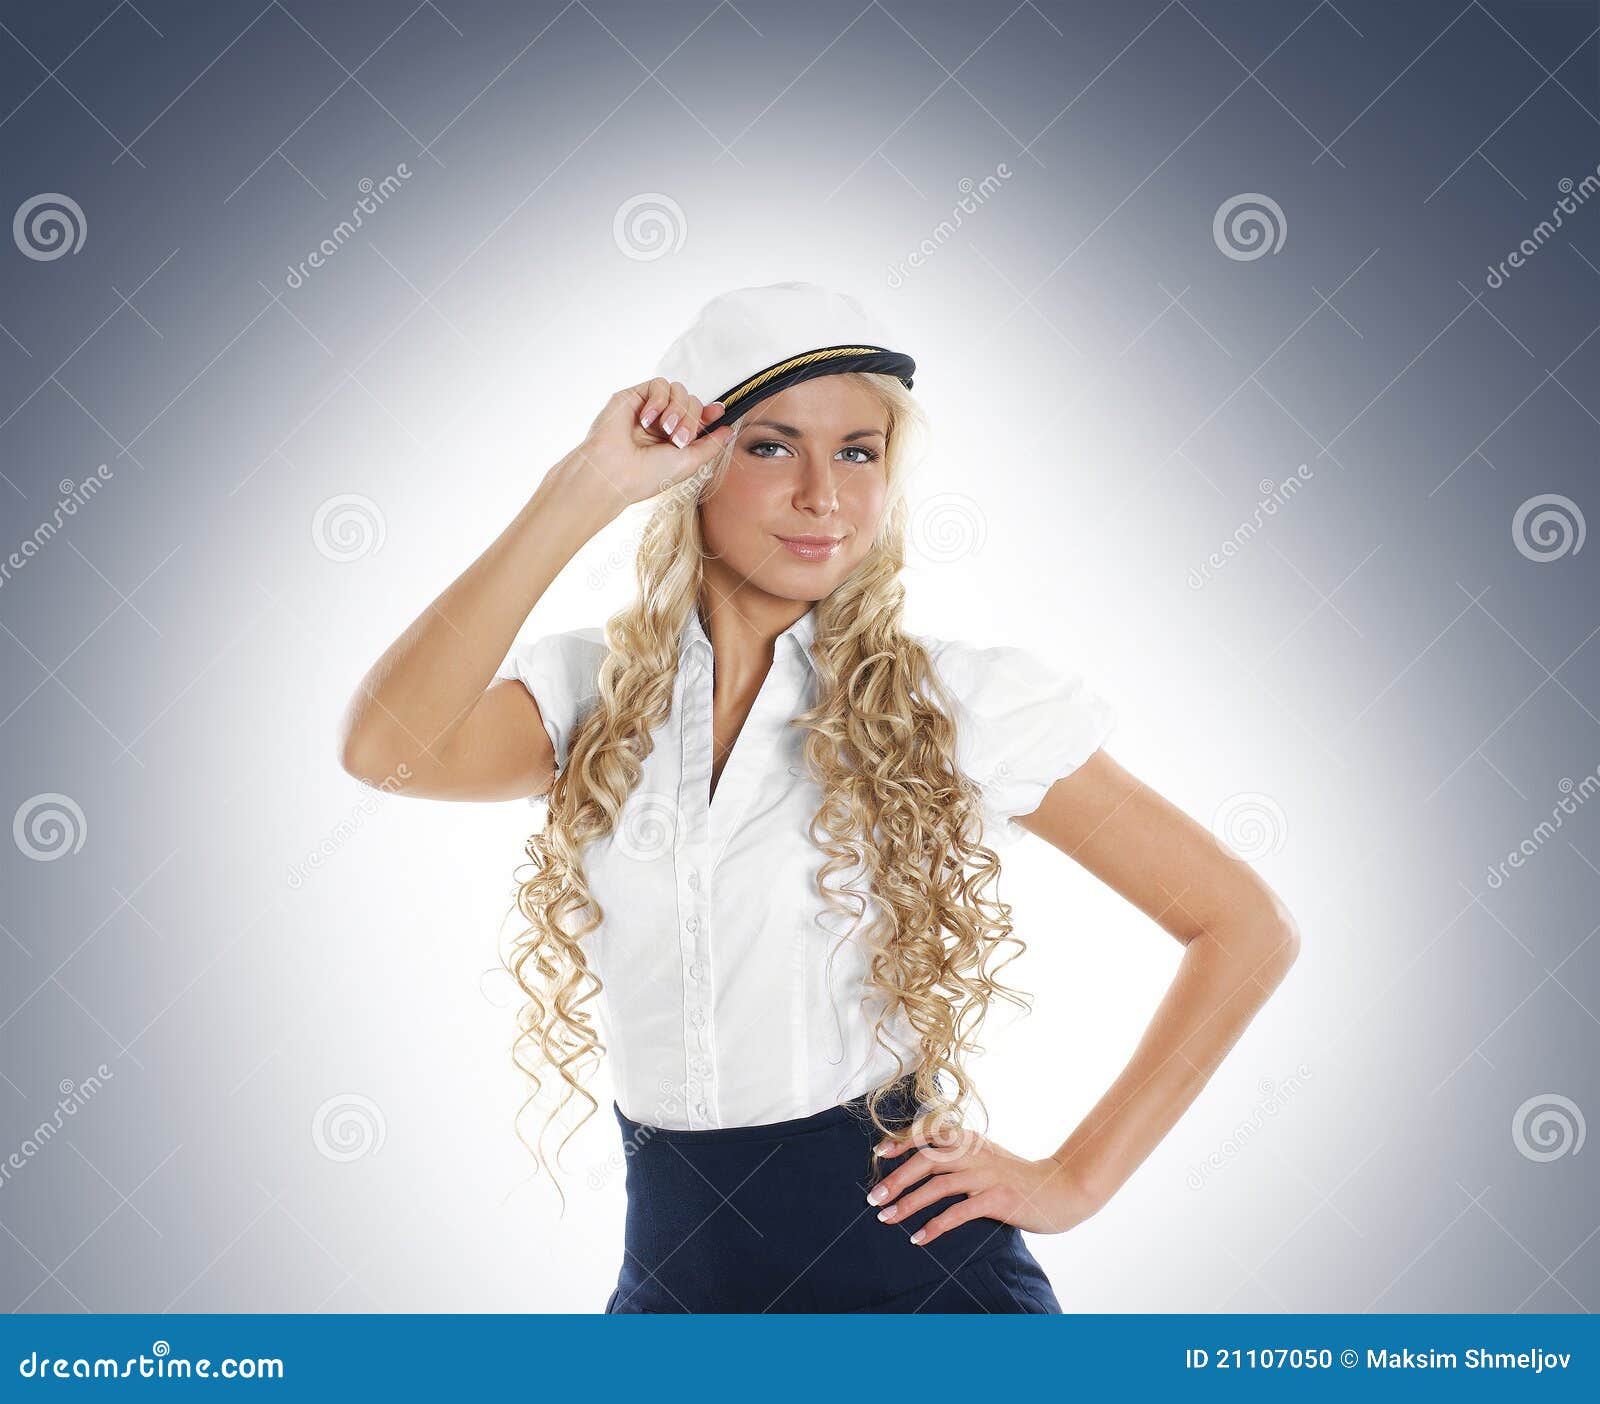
[{"x": 763, "y": 875}]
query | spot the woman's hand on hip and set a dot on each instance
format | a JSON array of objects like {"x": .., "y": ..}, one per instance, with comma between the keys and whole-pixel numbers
[
  {"x": 1042, "y": 1196},
  {"x": 644, "y": 441}
]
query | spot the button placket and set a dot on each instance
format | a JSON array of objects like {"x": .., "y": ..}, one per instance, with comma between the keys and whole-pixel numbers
[{"x": 693, "y": 943}]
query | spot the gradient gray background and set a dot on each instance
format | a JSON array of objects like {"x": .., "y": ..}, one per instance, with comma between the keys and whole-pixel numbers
[{"x": 1379, "y": 696}]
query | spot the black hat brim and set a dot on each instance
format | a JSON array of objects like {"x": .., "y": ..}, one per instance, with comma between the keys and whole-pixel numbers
[{"x": 825, "y": 360}]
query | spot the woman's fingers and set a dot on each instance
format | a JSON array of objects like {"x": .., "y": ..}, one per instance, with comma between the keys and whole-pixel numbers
[
  {"x": 935, "y": 1188},
  {"x": 677, "y": 410},
  {"x": 974, "y": 1206},
  {"x": 656, "y": 395},
  {"x": 671, "y": 409},
  {"x": 692, "y": 416}
]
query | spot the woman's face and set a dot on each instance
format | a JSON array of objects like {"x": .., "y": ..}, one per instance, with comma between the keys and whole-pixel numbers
[{"x": 800, "y": 502}]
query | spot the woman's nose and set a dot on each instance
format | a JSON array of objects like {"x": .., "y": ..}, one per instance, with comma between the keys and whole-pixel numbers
[{"x": 817, "y": 491}]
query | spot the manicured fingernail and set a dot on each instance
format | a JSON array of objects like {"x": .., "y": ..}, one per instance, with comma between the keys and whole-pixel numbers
[
  {"x": 668, "y": 422},
  {"x": 681, "y": 438},
  {"x": 877, "y": 1194},
  {"x": 646, "y": 417},
  {"x": 889, "y": 1213},
  {"x": 917, "y": 1237}
]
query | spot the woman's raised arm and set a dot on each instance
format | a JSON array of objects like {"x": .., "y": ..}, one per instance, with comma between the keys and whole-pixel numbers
[{"x": 428, "y": 719}]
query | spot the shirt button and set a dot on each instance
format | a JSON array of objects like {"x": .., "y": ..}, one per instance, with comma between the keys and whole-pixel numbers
[
  {"x": 702, "y": 1066},
  {"x": 697, "y": 1017},
  {"x": 693, "y": 924},
  {"x": 700, "y": 1109},
  {"x": 694, "y": 879},
  {"x": 697, "y": 971}
]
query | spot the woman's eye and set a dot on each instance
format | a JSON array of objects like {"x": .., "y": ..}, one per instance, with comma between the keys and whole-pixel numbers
[{"x": 867, "y": 455}]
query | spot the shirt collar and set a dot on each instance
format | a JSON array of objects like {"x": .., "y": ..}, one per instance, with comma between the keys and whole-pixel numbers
[{"x": 800, "y": 634}]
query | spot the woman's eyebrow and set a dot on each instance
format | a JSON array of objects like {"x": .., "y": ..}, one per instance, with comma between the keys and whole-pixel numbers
[{"x": 790, "y": 432}]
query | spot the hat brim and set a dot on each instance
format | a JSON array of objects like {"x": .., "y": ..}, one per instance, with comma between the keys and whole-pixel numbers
[{"x": 825, "y": 360}]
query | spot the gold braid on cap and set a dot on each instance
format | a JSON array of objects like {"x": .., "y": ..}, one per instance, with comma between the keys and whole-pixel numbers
[{"x": 783, "y": 367}]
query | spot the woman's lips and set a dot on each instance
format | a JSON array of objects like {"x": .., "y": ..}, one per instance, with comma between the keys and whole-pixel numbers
[{"x": 812, "y": 548}]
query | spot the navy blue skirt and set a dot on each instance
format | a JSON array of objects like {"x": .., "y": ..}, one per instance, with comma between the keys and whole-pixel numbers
[{"x": 775, "y": 1218}]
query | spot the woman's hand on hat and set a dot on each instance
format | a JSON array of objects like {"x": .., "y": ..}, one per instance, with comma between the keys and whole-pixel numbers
[
  {"x": 672, "y": 412},
  {"x": 644, "y": 440}
]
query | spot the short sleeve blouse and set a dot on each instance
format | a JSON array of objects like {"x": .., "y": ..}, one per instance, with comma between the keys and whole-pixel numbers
[
  {"x": 561, "y": 672},
  {"x": 1022, "y": 723},
  {"x": 732, "y": 994}
]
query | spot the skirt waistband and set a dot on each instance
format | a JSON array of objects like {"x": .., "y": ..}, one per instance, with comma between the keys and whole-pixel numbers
[{"x": 897, "y": 1105}]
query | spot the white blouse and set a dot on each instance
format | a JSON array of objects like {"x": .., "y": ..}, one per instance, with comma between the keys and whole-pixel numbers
[{"x": 729, "y": 997}]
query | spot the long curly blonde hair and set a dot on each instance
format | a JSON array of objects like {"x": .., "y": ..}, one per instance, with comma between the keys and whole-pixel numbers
[{"x": 880, "y": 743}]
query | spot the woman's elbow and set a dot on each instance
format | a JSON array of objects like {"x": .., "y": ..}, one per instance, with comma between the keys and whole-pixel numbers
[
  {"x": 1279, "y": 943},
  {"x": 363, "y": 751}
]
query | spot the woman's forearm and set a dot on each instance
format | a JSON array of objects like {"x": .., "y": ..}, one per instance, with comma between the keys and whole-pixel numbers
[
  {"x": 429, "y": 678},
  {"x": 1222, "y": 980}
]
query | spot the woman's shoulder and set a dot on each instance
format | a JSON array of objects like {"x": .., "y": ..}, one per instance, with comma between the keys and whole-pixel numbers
[
  {"x": 970, "y": 668},
  {"x": 567, "y": 660},
  {"x": 588, "y": 642},
  {"x": 1025, "y": 717},
  {"x": 1003, "y": 686}
]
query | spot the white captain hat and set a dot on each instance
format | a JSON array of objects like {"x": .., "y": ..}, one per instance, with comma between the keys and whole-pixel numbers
[{"x": 750, "y": 343}]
